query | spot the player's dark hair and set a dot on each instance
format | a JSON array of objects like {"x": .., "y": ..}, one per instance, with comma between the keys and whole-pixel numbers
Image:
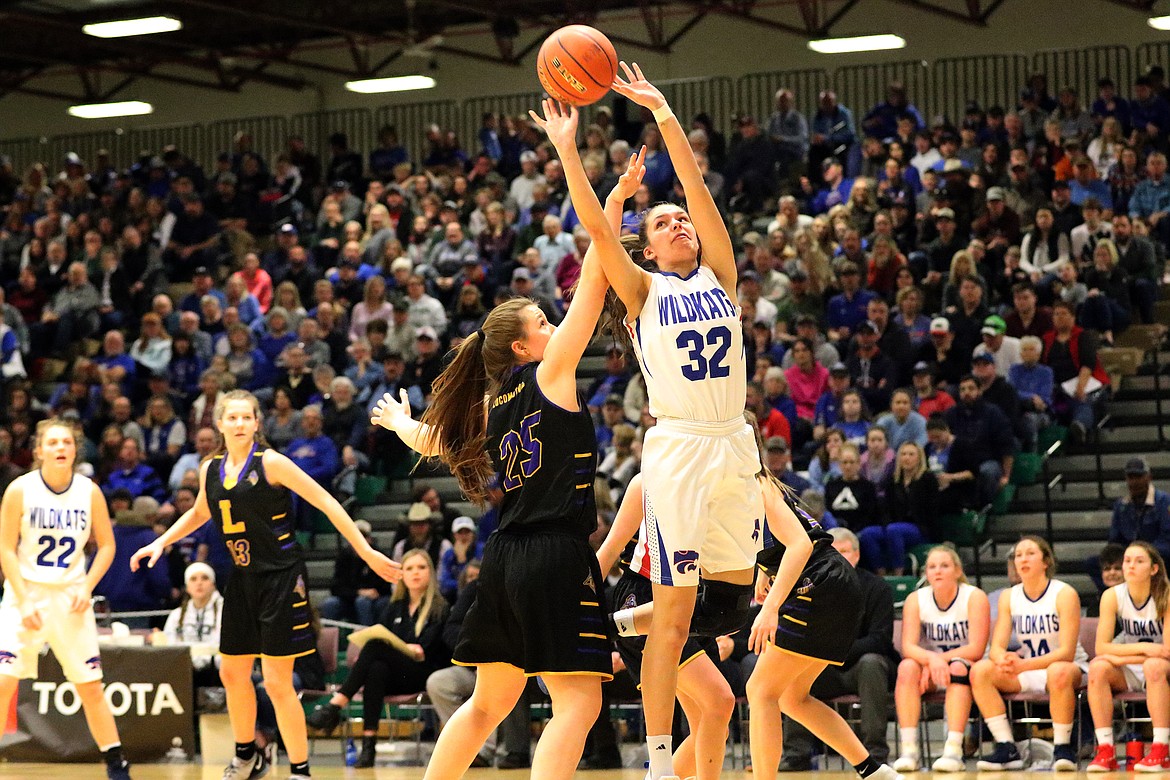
[{"x": 458, "y": 424}]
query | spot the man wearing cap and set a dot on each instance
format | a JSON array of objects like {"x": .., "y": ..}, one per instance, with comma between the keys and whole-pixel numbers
[
  {"x": 524, "y": 286},
  {"x": 356, "y": 592},
  {"x": 1149, "y": 115},
  {"x": 521, "y": 188},
  {"x": 933, "y": 262},
  {"x": 427, "y": 364},
  {"x": 829, "y": 404},
  {"x": 1144, "y": 513},
  {"x": 833, "y": 132},
  {"x": 994, "y": 389},
  {"x": 948, "y": 363},
  {"x": 986, "y": 433},
  {"x": 893, "y": 340},
  {"x": 445, "y": 260},
  {"x": 465, "y": 548},
  {"x": 1065, "y": 214},
  {"x": 772, "y": 423},
  {"x": 194, "y": 241},
  {"x": 749, "y": 290},
  {"x": 778, "y": 461},
  {"x": 835, "y": 191},
  {"x": 788, "y": 130},
  {"x": 1004, "y": 349},
  {"x": 419, "y": 531},
  {"x": 871, "y": 371},
  {"x": 999, "y": 226},
  {"x": 848, "y": 308},
  {"x": 1087, "y": 184}
]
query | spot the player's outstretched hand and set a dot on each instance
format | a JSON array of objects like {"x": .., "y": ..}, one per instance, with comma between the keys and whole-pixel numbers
[
  {"x": 763, "y": 631},
  {"x": 390, "y": 411},
  {"x": 389, "y": 570},
  {"x": 631, "y": 180},
  {"x": 559, "y": 123},
  {"x": 152, "y": 551},
  {"x": 638, "y": 89}
]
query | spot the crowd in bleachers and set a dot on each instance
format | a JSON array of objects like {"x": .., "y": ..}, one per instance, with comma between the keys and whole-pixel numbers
[{"x": 921, "y": 299}]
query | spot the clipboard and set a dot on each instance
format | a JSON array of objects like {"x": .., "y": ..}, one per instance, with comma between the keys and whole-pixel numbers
[{"x": 380, "y": 633}]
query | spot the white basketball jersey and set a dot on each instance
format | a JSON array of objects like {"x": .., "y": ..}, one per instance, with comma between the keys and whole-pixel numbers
[
  {"x": 689, "y": 342},
  {"x": 1138, "y": 623},
  {"x": 944, "y": 628},
  {"x": 54, "y": 528},
  {"x": 1037, "y": 623}
]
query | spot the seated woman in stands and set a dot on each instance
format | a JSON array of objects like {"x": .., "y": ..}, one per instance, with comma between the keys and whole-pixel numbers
[
  {"x": 1045, "y": 615},
  {"x": 1137, "y": 658},
  {"x": 415, "y": 615},
  {"x": 945, "y": 627}
]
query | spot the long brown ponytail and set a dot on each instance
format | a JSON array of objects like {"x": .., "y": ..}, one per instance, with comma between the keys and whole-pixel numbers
[
  {"x": 456, "y": 414},
  {"x": 1159, "y": 582}
]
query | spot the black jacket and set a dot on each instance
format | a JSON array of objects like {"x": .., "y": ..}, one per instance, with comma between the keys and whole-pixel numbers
[
  {"x": 983, "y": 429},
  {"x": 398, "y": 619},
  {"x": 915, "y": 503},
  {"x": 351, "y": 574},
  {"x": 875, "y": 633}
]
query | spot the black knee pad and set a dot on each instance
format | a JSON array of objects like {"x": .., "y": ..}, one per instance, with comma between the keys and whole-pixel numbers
[
  {"x": 721, "y": 608},
  {"x": 965, "y": 677}
]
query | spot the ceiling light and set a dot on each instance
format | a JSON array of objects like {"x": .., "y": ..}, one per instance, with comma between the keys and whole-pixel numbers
[
  {"x": 392, "y": 84},
  {"x": 857, "y": 43},
  {"x": 1159, "y": 22},
  {"x": 106, "y": 110},
  {"x": 128, "y": 27}
]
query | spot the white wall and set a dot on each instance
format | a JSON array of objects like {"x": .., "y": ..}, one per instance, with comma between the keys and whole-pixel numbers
[{"x": 718, "y": 45}]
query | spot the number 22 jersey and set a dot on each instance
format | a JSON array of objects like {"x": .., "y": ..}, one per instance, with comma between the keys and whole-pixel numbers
[
  {"x": 252, "y": 515},
  {"x": 545, "y": 458},
  {"x": 689, "y": 342}
]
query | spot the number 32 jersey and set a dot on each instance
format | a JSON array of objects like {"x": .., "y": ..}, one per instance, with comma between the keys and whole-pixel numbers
[
  {"x": 689, "y": 342},
  {"x": 252, "y": 515},
  {"x": 545, "y": 458},
  {"x": 54, "y": 528}
]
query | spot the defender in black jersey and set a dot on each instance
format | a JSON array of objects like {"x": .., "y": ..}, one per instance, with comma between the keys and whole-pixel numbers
[
  {"x": 507, "y": 406},
  {"x": 246, "y": 489}
]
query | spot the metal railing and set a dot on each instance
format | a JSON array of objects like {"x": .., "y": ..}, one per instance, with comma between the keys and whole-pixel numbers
[{"x": 1049, "y": 483}]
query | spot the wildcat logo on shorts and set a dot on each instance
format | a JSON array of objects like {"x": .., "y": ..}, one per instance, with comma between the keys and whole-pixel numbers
[
  {"x": 686, "y": 560},
  {"x": 253, "y": 478},
  {"x": 630, "y": 602},
  {"x": 299, "y": 588},
  {"x": 93, "y": 663},
  {"x": 7, "y": 658},
  {"x": 805, "y": 587}
]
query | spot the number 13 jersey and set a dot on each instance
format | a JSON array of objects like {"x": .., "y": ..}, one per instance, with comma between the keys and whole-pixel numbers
[
  {"x": 689, "y": 342},
  {"x": 545, "y": 458},
  {"x": 252, "y": 515}
]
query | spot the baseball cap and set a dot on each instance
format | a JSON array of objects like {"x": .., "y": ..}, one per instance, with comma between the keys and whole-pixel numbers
[
  {"x": 202, "y": 271},
  {"x": 945, "y": 214},
  {"x": 463, "y": 523},
  {"x": 613, "y": 399},
  {"x": 838, "y": 368},
  {"x": 994, "y": 326},
  {"x": 470, "y": 260},
  {"x": 450, "y": 205},
  {"x": 749, "y": 276},
  {"x": 940, "y": 325},
  {"x": 340, "y": 184},
  {"x": 798, "y": 275},
  {"x": 828, "y": 162},
  {"x": 807, "y": 319},
  {"x": 922, "y": 367},
  {"x": 522, "y": 273},
  {"x": 528, "y": 156},
  {"x": 995, "y": 193},
  {"x": 388, "y": 354},
  {"x": 753, "y": 238},
  {"x": 983, "y": 357},
  {"x": 868, "y": 326},
  {"x": 776, "y": 444},
  {"x": 426, "y": 332},
  {"x": 288, "y": 229},
  {"x": 1136, "y": 467}
]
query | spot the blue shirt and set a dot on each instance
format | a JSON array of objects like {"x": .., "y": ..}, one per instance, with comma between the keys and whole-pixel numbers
[
  {"x": 846, "y": 312},
  {"x": 1094, "y": 189},
  {"x": 1148, "y": 521},
  {"x": 898, "y": 433},
  {"x": 826, "y": 410},
  {"x": 1150, "y": 197},
  {"x": 317, "y": 457},
  {"x": 825, "y": 199},
  {"x": 1030, "y": 381},
  {"x": 140, "y": 481}
]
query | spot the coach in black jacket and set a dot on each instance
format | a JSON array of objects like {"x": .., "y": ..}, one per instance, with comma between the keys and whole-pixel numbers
[{"x": 868, "y": 671}]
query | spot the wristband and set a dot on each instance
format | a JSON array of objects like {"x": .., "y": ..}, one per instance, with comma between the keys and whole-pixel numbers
[{"x": 662, "y": 113}]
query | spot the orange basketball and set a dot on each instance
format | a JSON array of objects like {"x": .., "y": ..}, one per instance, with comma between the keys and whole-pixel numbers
[{"x": 577, "y": 64}]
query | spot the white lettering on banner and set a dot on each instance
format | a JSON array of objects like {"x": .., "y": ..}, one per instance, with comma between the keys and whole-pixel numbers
[{"x": 143, "y": 697}]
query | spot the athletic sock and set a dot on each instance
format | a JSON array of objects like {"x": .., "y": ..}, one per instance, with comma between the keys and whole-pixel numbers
[
  {"x": 113, "y": 755},
  {"x": 1061, "y": 733},
  {"x": 299, "y": 769},
  {"x": 1000, "y": 728},
  {"x": 660, "y": 749},
  {"x": 1104, "y": 735},
  {"x": 909, "y": 735},
  {"x": 867, "y": 767},
  {"x": 623, "y": 621},
  {"x": 245, "y": 751},
  {"x": 1161, "y": 736},
  {"x": 954, "y": 744}
]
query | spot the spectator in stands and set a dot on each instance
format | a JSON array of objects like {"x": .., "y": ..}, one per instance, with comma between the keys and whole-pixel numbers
[
  {"x": 197, "y": 622},
  {"x": 852, "y": 499},
  {"x": 1050, "y": 657},
  {"x": 946, "y": 361},
  {"x": 751, "y": 167},
  {"x": 986, "y": 433},
  {"x": 954, "y": 467},
  {"x": 788, "y": 130},
  {"x": 1033, "y": 383},
  {"x": 282, "y": 424},
  {"x": 902, "y": 423},
  {"x": 1004, "y": 349},
  {"x": 1071, "y": 352},
  {"x": 133, "y": 475},
  {"x": 415, "y": 615},
  {"x": 421, "y": 532},
  {"x": 870, "y": 370},
  {"x": 807, "y": 378},
  {"x": 204, "y": 445},
  {"x": 1151, "y": 197},
  {"x": 867, "y": 672},
  {"x": 165, "y": 434},
  {"x": 70, "y": 317},
  {"x": 778, "y": 461},
  {"x": 356, "y": 593},
  {"x": 1138, "y": 257},
  {"x": 373, "y": 306},
  {"x": 424, "y": 311},
  {"x": 1144, "y": 513},
  {"x": 882, "y": 120},
  {"x": 771, "y": 422},
  {"x": 465, "y": 548},
  {"x": 1149, "y": 115},
  {"x": 316, "y": 455},
  {"x": 1026, "y": 318},
  {"x": 833, "y": 131},
  {"x": 1106, "y": 308},
  {"x": 848, "y": 309},
  {"x": 194, "y": 241},
  {"x": 828, "y": 408},
  {"x": 125, "y": 590}
]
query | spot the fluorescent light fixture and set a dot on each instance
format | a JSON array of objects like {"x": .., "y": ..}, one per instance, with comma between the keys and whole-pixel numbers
[
  {"x": 857, "y": 43},
  {"x": 392, "y": 84},
  {"x": 107, "y": 110},
  {"x": 125, "y": 28},
  {"x": 1159, "y": 22}
]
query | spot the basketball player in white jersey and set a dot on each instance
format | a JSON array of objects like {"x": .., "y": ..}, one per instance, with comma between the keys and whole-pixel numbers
[
  {"x": 46, "y": 519},
  {"x": 1046, "y": 616},
  {"x": 1136, "y": 658},
  {"x": 702, "y": 504},
  {"x": 945, "y": 627}
]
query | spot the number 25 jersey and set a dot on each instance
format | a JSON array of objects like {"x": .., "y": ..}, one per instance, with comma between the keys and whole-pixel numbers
[
  {"x": 545, "y": 458},
  {"x": 689, "y": 341},
  {"x": 252, "y": 515}
]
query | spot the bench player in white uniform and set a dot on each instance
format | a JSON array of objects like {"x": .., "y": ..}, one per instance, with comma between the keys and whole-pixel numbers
[
  {"x": 46, "y": 519},
  {"x": 945, "y": 627},
  {"x": 703, "y": 508},
  {"x": 1136, "y": 658},
  {"x": 1046, "y": 616}
]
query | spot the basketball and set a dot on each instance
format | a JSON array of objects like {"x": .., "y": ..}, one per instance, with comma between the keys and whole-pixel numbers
[{"x": 576, "y": 65}]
